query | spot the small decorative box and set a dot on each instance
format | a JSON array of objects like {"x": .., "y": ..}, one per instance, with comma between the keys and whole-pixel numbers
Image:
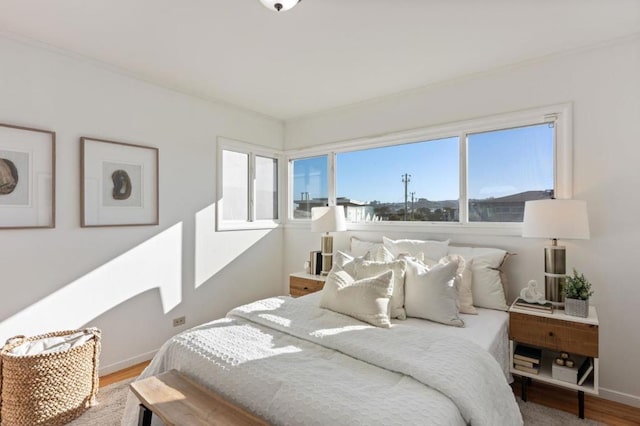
[{"x": 566, "y": 374}]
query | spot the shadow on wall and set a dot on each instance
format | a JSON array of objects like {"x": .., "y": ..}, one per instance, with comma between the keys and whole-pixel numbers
[
  {"x": 156, "y": 264},
  {"x": 215, "y": 250}
]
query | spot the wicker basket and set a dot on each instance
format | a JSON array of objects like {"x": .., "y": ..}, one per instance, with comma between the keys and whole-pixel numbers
[{"x": 48, "y": 389}]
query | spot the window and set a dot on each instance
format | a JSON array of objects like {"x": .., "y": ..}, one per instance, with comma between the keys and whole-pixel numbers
[
  {"x": 310, "y": 185},
  {"x": 477, "y": 173},
  {"x": 235, "y": 186},
  {"x": 508, "y": 167},
  {"x": 248, "y": 186},
  {"x": 408, "y": 182},
  {"x": 266, "y": 188}
]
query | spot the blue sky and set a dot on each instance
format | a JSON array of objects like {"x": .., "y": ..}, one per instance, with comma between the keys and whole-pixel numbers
[{"x": 499, "y": 163}]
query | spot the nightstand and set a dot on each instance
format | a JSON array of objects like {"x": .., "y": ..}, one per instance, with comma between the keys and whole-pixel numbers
[
  {"x": 554, "y": 333},
  {"x": 301, "y": 283}
]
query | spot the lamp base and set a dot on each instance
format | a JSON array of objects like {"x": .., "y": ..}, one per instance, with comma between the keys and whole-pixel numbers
[
  {"x": 555, "y": 274},
  {"x": 326, "y": 246},
  {"x": 554, "y": 289}
]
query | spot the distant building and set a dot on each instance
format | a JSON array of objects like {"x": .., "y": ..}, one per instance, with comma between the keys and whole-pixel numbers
[
  {"x": 355, "y": 211},
  {"x": 504, "y": 209}
]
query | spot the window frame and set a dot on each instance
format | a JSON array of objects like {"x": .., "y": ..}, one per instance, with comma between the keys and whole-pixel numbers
[
  {"x": 560, "y": 115},
  {"x": 253, "y": 151}
]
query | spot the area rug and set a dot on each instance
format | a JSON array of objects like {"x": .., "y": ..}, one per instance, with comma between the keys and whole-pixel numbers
[
  {"x": 112, "y": 400},
  {"x": 108, "y": 412}
]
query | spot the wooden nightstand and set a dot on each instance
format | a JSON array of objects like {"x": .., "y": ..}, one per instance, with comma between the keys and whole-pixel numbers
[
  {"x": 554, "y": 333},
  {"x": 301, "y": 283}
]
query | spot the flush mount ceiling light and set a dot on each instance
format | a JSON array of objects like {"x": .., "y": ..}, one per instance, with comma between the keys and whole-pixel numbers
[{"x": 279, "y": 5}]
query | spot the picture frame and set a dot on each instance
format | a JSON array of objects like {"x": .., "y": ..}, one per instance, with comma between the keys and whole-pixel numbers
[
  {"x": 119, "y": 184},
  {"x": 27, "y": 177}
]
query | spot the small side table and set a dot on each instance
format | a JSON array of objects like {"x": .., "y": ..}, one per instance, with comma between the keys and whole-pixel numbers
[
  {"x": 553, "y": 333},
  {"x": 302, "y": 283}
]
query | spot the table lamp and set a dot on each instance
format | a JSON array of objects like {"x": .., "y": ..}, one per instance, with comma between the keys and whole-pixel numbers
[
  {"x": 555, "y": 219},
  {"x": 327, "y": 219}
]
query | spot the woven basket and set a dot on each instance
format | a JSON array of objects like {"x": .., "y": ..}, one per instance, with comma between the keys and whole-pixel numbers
[{"x": 48, "y": 389}]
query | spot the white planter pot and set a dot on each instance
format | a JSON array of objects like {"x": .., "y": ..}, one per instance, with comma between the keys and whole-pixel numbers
[{"x": 576, "y": 307}]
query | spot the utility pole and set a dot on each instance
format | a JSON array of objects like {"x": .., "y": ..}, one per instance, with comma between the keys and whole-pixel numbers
[
  {"x": 412, "y": 209},
  {"x": 406, "y": 178}
]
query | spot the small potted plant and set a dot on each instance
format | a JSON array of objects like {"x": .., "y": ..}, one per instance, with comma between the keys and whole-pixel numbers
[{"x": 577, "y": 291}]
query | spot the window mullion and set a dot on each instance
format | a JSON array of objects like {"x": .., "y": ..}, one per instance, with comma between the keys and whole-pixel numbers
[
  {"x": 252, "y": 187},
  {"x": 464, "y": 182},
  {"x": 332, "y": 196}
]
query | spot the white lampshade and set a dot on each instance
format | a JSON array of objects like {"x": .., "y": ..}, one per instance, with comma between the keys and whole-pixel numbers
[
  {"x": 328, "y": 219},
  {"x": 558, "y": 219},
  {"x": 279, "y": 5}
]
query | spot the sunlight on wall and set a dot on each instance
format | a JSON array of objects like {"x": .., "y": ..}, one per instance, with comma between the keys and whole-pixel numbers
[
  {"x": 215, "y": 250},
  {"x": 156, "y": 263}
]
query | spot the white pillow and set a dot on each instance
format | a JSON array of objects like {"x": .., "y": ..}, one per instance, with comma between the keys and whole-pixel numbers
[
  {"x": 462, "y": 282},
  {"x": 360, "y": 247},
  {"x": 346, "y": 261},
  {"x": 366, "y": 300},
  {"x": 430, "y": 292},
  {"x": 380, "y": 254},
  {"x": 429, "y": 249},
  {"x": 486, "y": 283},
  {"x": 366, "y": 269}
]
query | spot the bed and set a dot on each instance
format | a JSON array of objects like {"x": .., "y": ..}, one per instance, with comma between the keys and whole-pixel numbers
[{"x": 293, "y": 363}]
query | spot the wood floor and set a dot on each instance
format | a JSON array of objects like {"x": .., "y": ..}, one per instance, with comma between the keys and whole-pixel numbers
[
  {"x": 127, "y": 373},
  {"x": 602, "y": 410}
]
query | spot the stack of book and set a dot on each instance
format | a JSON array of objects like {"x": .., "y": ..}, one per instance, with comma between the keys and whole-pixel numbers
[
  {"x": 539, "y": 307},
  {"x": 526, "y": 358},
  {"x": 315, "y": 262}
]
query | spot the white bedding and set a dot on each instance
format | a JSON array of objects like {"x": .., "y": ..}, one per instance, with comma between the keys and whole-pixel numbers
[
  {"x": 293, "y": 363},
  {"x": 489, "y": 329}
]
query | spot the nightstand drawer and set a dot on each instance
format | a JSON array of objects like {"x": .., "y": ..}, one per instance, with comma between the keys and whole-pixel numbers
[
  {"x": 300, "y": 286},
  {"x": 559, "y": 335}
]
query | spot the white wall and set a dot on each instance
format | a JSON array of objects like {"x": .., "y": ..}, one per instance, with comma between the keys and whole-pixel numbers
[
  {"x": 604, "y": 86},
  {"x": 128, "y": 281}
]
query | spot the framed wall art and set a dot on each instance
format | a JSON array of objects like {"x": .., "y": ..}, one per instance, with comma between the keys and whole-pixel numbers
[
  {"x": 27, "y": 177},
  {"x": 119, "y": 184}
]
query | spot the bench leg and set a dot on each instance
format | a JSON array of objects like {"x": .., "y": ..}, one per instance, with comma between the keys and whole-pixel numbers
[{"x": 144, "y": 418}]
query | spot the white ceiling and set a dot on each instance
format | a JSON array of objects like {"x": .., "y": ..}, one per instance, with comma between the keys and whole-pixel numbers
[{"x": 323, "y": 53}]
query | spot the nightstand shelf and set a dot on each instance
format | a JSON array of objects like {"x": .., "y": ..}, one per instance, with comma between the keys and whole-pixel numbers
[
  {"x": 302, "y": 283},
  {"x": 554, "y": 333}
]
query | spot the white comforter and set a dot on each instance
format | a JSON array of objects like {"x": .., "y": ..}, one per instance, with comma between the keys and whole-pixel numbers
[{"x": 292, "y": 363}]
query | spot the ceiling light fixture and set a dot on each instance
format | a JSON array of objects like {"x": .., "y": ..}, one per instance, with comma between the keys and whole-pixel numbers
[{"x": 279, "y": 5}]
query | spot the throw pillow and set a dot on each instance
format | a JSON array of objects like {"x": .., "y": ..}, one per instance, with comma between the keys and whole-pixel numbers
[
  {"x": 366, "y": 300},
  {"x": 430, "y": 292},
  {"x": 366, "y": 269},
  {"x": 347, "y": 262},
  {"x": 462, "y": 282},
  {"x": 487, "y": 286}
]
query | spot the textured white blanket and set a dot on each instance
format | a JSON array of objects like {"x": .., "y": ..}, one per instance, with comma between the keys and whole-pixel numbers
[{"x": 293, "y": 363}]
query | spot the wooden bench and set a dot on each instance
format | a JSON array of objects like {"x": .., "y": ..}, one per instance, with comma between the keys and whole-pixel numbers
[{"x": 177, "y": 400}]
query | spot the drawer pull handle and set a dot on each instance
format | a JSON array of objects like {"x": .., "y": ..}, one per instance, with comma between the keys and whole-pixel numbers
[
  {"x": 551, "y": 334},
  {"x": 306, "y": 288}
]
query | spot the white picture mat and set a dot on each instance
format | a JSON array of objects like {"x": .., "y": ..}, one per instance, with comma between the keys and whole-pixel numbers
[
  {"x": 99, "y": 213},
  {"x": 38, "y": 209}
]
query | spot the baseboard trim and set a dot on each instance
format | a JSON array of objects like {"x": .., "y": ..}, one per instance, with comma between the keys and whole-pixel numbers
[
  {"x": 621, "y": 397},
  {"x": 121, "y": 365}
]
